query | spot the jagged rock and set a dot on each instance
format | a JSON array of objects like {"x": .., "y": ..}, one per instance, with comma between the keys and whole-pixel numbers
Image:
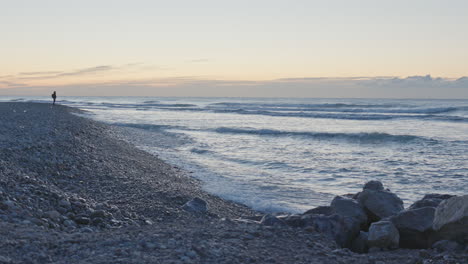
[
  {"x": 342, "y": 229},
  {"x": 451, "y": 219},
  {"x": 323, "y": 210},
  {"x": 415, "y": 227},
  {"x": 360, "y": 243},
  {"x": 196, "y": 205},
  {"x": 374, "y": 185},
  {"x": 349, "y": 207},
  {"x": 379, "y": 204},
  {"x": 271, "y": 220},
  {"x": 383, "y": 235}
]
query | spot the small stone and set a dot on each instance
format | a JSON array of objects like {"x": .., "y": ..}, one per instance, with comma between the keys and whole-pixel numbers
[
  {"x": 82, "y": 220},
  {"x": 64, "y": 203},
  {"x": 52, "y": 215},
  {"x": 196, "y": 205},
  {"x": 87, "y": 230},
  {"x": 191, "y": 254},
  {"x": 97, "y": 221},
  {"x": 69, "y": 223},
  {"x": 98, "y": 214}
]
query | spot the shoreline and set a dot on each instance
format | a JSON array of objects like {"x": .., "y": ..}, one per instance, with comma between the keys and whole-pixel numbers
[{"x": 69, "y": 183}]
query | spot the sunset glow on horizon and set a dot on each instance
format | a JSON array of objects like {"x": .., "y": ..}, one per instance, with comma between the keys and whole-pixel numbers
[{"x": 59, "y": 43}]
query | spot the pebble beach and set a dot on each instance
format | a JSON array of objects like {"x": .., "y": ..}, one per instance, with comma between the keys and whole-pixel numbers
[{"x": 73, "y": 190}]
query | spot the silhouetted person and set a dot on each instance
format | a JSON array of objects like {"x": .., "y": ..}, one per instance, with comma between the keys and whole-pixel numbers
[{"x": 54, "y": 96}]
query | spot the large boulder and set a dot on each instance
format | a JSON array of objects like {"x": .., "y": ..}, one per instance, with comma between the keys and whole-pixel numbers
[
  {"x": 415, "y": 227},
  {"x": 430, "y": 200},
  {"x": 383, "y": 235},
  {"x": 451, "y": 219},
  {"x": 379, "y": 203},
  {"x": 350, "y": 208},
  {"x": 342, "y": 229}
]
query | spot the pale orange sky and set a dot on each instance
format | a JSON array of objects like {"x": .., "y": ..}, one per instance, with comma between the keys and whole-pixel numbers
[{"x": 60, "y": 43}]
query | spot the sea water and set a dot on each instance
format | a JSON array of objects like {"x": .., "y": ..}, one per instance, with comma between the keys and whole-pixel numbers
[{"x": 289, "y": 155}]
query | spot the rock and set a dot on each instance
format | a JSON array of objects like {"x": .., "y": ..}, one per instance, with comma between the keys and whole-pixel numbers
[
  {"x": 349, "y": 207},
  {"x": 374, "y": 185},
  {"x": 360, "y": 244},
  {"x": 451, "y": 219},
  {"x": 52, "y": 215},
  {"x": 196, "y": 205},
  {"x": 379, "y": 204},
  {"x": 64, "y": 203},
  {"x": 438, "y": 196},
  {"x": 383, "y": 235},
  {"x": 271, "y": 220},
  {"x": 415, "y": 227},
  {"x": 294, "y": 220},
  {"x": 7, "y": 205},
  {"x": 342, "y": 229},
  {"x": 430, "y": 200},
  {"x": 69, "y": 223},
  {"x": 98, "y": 214},
  {"x": 446, "y": 245},
  {"x": 96, "y": 221},
  {"x": 82, "y": 220},
  {"x": 323, "y": 210}
]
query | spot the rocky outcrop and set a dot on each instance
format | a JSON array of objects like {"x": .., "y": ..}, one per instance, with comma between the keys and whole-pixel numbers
[
  {"x": 383, "y": 235},
  {"x": 451, "y": 219},
  {"x": 415, "y": 227},
  {"x": 379, "y": 203}
]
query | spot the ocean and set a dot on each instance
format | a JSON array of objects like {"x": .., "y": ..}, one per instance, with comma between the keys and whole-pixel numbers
[{"x": 289, "y": 155}]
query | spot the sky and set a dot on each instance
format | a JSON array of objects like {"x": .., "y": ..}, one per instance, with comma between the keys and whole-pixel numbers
[{"x": 295, "y": 48}]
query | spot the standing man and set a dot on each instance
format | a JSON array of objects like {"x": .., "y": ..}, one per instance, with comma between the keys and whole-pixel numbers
[{"x": 54, "y": 96}]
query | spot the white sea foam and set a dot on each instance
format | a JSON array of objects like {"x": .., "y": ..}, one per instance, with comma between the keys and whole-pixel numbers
[{"x": 293, "y": 154}]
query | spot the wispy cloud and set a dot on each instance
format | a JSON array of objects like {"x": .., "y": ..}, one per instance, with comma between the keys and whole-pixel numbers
[
  {"x": 39, "y": 73},
  {"x": 85, "y": 71}
]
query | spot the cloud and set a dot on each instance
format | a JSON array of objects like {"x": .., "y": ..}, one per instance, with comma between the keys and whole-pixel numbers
[
  {"x": 39, "y": 73},
  {"x": 339, "y": 87},
  {"x": 7, "y": 84},
  {"x": 85, "y": 71}
]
